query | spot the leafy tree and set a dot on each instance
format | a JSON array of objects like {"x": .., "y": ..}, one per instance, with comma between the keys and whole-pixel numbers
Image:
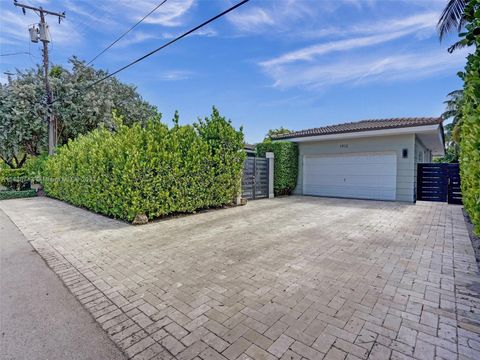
[
  {"x": 453, "y": 111},
  {"x": 78, "y": 108},
  {"x": 451, "y": 17},
  {"x": 470, "y": 113},
  {"x": 279, "y": 131}
]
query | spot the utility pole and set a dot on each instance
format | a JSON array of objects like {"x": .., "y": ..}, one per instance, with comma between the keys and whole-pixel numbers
[{"x": 42, "y": 33}]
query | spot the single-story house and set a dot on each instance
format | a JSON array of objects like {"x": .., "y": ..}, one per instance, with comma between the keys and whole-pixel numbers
[{"x": 370, "y": 159}]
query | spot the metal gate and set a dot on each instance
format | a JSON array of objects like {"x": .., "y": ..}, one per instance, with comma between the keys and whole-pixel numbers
[
  {"x": 439, "y": 182},
  {"x": 255, "y": 178}
]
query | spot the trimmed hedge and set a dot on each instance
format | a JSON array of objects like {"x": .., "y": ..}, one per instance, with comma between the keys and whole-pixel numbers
[
  {"x": 285, "y": 164},
  {"x": 470, "y": 123},
  {"x": 11, "y": 194},
  {"x": 15, "y": 179},
  {"x": 151, "y": 170}
]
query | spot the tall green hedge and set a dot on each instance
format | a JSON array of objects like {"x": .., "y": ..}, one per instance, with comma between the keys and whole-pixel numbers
[
  {"x": 151, "y": 170},
  {"x": 285, "y": 164},
  {"x": 470, "y": 123}
]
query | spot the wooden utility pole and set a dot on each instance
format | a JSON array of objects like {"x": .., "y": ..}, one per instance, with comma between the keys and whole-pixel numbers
[{"x": 42, "y": 34}]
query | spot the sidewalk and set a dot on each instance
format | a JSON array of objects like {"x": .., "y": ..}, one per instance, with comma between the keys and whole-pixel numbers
[{"x": 39, "y": 317}]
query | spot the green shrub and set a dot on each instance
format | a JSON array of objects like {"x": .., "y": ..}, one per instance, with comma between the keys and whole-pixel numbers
[
  {"x": 470, "y": 122},
  {"x": 285, "y": 164},
  {"x": 34, "y": 167},
  {"x": 14, "y": 179},
  {"x": 151, "y": 170},
  {"x": 11, "y": 194}
]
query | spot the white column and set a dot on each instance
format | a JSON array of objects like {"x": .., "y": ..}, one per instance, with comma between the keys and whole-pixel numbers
[{"x": 270, "y": 156}]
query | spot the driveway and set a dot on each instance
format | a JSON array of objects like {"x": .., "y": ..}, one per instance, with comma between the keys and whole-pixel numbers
[{"x": 286, "y": 278}]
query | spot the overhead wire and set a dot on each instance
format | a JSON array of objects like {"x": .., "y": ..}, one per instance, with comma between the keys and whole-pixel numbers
[
  {"x": 203, "y": 24},
  {"x": 126, "y": 32}
]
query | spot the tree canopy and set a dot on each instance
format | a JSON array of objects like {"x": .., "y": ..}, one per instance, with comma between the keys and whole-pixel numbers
[{"x": 78, "y": 108}]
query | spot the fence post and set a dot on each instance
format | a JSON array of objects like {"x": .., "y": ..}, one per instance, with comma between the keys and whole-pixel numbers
[{"x": 270, "y": 156}]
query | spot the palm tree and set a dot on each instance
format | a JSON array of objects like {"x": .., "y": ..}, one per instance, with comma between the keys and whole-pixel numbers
[{"x": 451, "y": 18}]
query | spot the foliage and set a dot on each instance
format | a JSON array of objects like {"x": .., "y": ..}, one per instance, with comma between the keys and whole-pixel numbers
[
  {"x": 451, "y": 17},
  {"x": 11, "y": 194},
  {"x": 14, "y": 179},
  {"x": 23, "y": 126},
  {"x": 272, "y": 132},
  {"x": 150, "y": 169},
  {"x": 34, "y": 167},
  {"x": 470, "y": 128},
  {"x": 285, "y": 164},
  {"x": 452, "y": 149}
]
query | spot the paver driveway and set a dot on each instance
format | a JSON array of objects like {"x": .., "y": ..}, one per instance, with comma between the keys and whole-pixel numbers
[{"x": 283, "y": 278}]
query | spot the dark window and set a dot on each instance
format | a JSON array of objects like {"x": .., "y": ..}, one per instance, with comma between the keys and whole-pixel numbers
[{"x": 405, "y": 153}]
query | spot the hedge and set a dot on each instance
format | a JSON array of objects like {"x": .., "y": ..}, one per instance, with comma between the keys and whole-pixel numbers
[
  {"x": 15, "y": 179},
  {"x": 285, "y": 164},
  {"x": 150, "y": 170},
  {"x": 11, "y": 194},
  {"x": 470, "y": 123}
]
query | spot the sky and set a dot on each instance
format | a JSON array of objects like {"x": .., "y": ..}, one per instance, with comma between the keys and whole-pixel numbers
[{"x": 270, "y": 63}]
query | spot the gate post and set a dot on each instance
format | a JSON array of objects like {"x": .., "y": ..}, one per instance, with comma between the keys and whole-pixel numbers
[{"x": 270, "y": 156}]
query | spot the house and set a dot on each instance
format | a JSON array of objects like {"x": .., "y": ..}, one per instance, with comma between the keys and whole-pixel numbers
[
  {"x": 370, "y": 159},
  {"x": 250, "y": 150}
]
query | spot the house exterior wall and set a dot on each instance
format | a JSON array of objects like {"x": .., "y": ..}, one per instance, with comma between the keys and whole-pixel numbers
[
  {"x": 406, "y": 167},
  {"x": 422, "y": 155}
]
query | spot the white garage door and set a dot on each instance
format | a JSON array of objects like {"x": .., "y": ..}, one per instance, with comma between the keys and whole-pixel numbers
[{"x": 363, "y": 176}]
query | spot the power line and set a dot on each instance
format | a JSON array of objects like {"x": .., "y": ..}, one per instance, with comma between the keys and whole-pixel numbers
[
  {"x": 126, "y": 32},
  {"x": 16, "y": 53},
  {"x": 163, "y": 46}
]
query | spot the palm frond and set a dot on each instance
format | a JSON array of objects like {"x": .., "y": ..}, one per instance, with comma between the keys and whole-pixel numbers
[
  {"x": 456, "y": 93},
  {"x": 451, "y": 17},
  {"x": 458, "y": 45}
]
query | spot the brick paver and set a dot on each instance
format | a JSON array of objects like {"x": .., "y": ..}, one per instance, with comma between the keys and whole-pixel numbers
[{"x": 288, "y": 278}]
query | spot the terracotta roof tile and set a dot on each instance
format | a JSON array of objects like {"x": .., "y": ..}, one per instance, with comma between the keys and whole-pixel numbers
[{"x": 364, "y": 125}]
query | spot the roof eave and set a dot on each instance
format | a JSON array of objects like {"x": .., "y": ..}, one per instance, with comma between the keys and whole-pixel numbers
[{"x": 367, "y": 133}]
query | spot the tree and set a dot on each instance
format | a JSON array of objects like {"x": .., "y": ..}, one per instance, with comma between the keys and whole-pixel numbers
[
  {"x": 452, "y": 111},
  {"x": 279, "y": 131},
  {"x": 451, "y": 17},
  {"x": 470, "y": 116},
  {"x": 78, "y": 109}
]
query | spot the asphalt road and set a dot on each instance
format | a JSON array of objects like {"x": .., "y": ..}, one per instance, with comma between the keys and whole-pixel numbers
[{"x": 39, "y": 317}]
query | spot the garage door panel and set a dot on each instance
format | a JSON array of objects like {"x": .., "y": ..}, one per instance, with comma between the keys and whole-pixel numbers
[{"x": 365, "y": 176}]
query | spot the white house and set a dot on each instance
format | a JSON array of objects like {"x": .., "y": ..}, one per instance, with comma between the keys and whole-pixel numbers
[{"x": 370, "y": 159}]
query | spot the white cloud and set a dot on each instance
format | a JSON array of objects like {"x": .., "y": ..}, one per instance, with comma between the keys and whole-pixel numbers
[
  {"x": 175, "y": 75},
  {"x": 310, "y": 52},
  {"x": 313, "y": 66},
  {"x": 251, "y": 19},
  {"x": 366, "y": 69},
  {"x": 169, "y": 14}
]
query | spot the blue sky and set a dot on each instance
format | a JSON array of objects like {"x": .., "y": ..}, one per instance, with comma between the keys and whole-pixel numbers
[{"x": 291, "y": 63}]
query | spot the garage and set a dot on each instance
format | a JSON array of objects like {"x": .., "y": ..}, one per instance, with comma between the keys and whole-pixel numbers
[
  {"x": 362, "y": 176},
  {"x": 370, "y": 159}
]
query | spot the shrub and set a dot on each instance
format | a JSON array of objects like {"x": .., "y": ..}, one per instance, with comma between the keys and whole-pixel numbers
[
  {"x": 14, "y": 179},
  {"x": 151, "y": 170},
  {"x": 470, "y": 124},
  {"x": 11, "y": 194},
  {"x": 34, "y": 167},
  {"x": 285, "y": 164}
]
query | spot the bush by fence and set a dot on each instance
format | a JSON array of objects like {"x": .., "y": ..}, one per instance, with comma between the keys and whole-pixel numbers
[
  {"x": 151, "y": 170},
  {"x": 285, "y": 164}
]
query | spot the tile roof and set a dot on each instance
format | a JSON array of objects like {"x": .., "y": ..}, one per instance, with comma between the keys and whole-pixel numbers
[{"x": 364, "y": 125}]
